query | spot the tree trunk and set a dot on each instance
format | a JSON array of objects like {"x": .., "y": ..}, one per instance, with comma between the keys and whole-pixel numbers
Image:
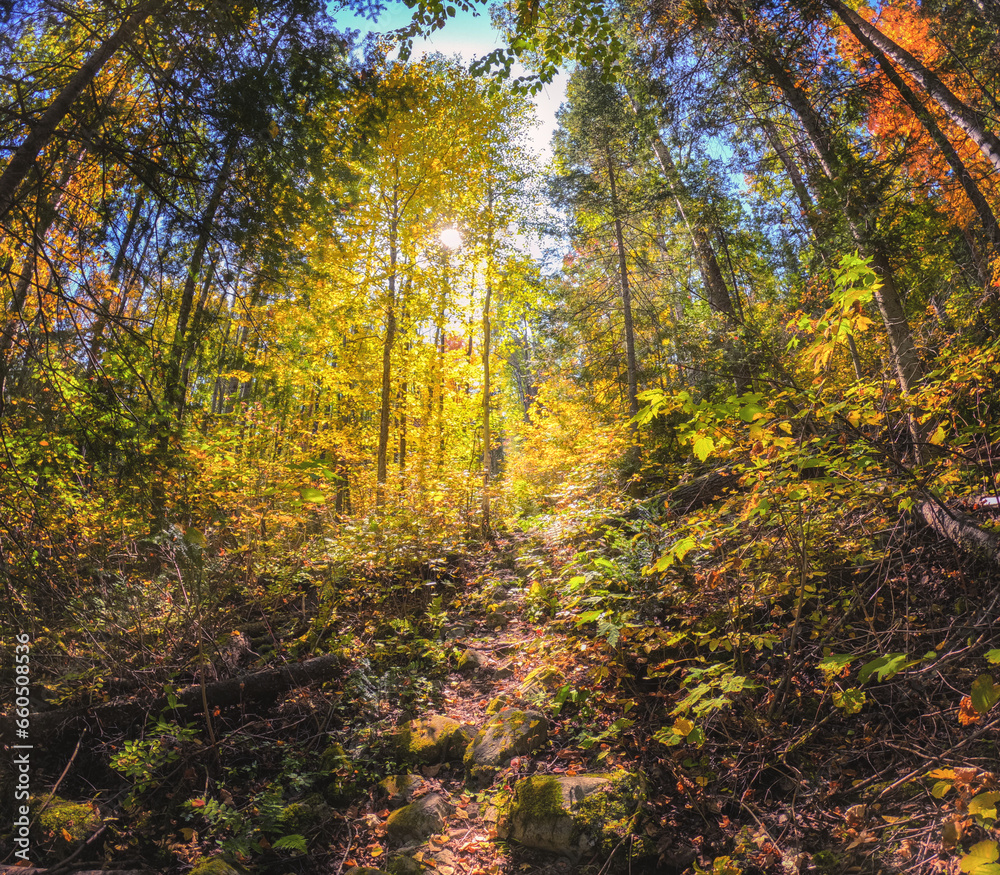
[
  {"x": 972, "y": 191},
  {"x": 390, "y": 340},
  {"x": 905, "y": 360},
  {"x": 41, "y": 132},
  {"x": 633, "y": 380},
  {"x": 174, "y": 390},
  {"x": 960, "y": 114}
]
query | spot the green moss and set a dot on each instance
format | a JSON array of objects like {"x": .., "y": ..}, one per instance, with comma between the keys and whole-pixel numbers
[
  {"x": 215, "y": 866},
  {"x": 431, "y": 739},
  {"x": 302, "y": 816},
  {"x": 498, "y": 704},
  {"x": 64, "y": 825}
]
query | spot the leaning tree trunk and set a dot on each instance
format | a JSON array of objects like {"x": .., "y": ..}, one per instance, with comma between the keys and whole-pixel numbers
[
  {"x": 42, "y": 130},
  {"x": 961, "y": 115},
  {"x": 972, "y": 191}
]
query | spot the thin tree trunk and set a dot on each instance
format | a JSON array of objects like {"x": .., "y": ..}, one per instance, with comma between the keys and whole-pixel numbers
[
  {"x": 633, "y": 382},
  {"x": 905, "y": 360},
  {"x": 390, "y": 340},
  {"x": 174, "y": 393}
]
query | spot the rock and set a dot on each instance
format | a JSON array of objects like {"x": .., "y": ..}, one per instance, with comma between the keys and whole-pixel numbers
[
  {"x": 510, "y": 733},
  {"x": 403, "y": 865},
  {"x": 497, "y": 704},
  {"x": 419, "y": 820},
  {"x": 433, "y": 739},
  {"x": 400, "y": 789},
  {"x": 341, "y": 785},
  {"x": 216, "y": 866},
  {"x": 63, "y": 825},
  {"x": 300, "y": 817},
  {"x": 364, "y": 870},
  {"x": 497, "y": 619},
  {"x": 472, "y": 660},
  {"x": 574, "y": 816}
]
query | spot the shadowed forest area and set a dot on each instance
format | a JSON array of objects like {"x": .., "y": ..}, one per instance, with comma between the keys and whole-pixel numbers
[{"x": 377, "y": 495}]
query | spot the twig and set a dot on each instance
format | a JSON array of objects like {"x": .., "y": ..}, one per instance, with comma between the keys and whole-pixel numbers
[{"x": 55, "y": 787}]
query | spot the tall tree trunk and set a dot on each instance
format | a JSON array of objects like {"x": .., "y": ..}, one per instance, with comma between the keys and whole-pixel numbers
[
  {"x": 42, "y": 130},
  {"x": 972, "y": 191},
  {"x": 632, "y": 376},
  {"x": 174, "y": 390},
  {"x": 961, "y": 115},
  {"x": 390, "y": 340},
  {"x": 905, "y": 360}
]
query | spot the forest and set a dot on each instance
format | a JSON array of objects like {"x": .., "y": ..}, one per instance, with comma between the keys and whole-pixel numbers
[{"x": 380, "y": 495}]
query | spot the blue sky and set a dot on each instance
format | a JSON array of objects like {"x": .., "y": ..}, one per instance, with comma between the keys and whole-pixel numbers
[{"x": 470, "y": 36}]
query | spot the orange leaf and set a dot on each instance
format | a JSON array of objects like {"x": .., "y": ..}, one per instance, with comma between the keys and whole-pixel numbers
[{"x": 197, "y": 803}]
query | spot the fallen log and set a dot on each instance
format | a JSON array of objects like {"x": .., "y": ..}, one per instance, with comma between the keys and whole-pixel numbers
[
  {"x": 959, "y": 528},
  {"x": 703, "y": 490},
  {"x": 260, "y": 686}
]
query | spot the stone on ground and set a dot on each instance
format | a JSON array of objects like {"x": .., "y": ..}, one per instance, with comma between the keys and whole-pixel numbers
[
  {"x": 509, "y": 734},
  {"x": 416, "y": 822},
  {"x": 433, "y": 739},
  {"x": 572, "y": 816},
  {"x": 400, "y": 789}
]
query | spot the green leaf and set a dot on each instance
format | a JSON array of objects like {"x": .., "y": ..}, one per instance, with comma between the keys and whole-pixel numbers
[
  {"x": 940, "y": 789},
  {"x": 993, "y": 656},
  {"x": 985, "y": 693},
  {"x": 833, "y": 664},
  {"x": 849, "y": 701},
  {"x": 980, "y": 854},
  {"x": 311, "y": 494},
  {"x": 703, "y": 447},
  {"x": 294, "y": 842},
  {"x": 883, "y": 667},
  {"x": 195, "y": 537},
  {"x": 984, "y": 805}
]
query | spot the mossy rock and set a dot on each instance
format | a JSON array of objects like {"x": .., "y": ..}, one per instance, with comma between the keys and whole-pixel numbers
[
  {"x": 63, "y": 826},
  {"x": 403, "y": 865},
  {"x": 433, "y": 739},
  {"x": 365, "y": 870},
  {"x": 470, "y": 661},
  {"x": 418, "y": 821},
  {"x": 300, "y": 817},
  {"x": 509, "y": 734},
  {"x": 216, "y": 866},
  {"x": 497, "y": 704},
  {"x": 338, "y": 784},
  {"x": 399, "y": 789},
  {"x": 574, "y": 816}
]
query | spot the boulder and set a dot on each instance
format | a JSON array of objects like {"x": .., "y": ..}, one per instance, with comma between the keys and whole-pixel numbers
[
  {"x": 471, "y": 661},
  {"x": 573, "y": 816},
  {"x": 433, "y": 739},
  {"x": 416, "y": 822},
  {"x": 508, "y": 734},
  {"x": 400, "y": 789},
  {"x": 216, "y": 866},
  {"x": 62, "y": 825}
]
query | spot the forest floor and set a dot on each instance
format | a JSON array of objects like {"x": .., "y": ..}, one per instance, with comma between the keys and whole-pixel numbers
[{"x": 754, "y": 758}]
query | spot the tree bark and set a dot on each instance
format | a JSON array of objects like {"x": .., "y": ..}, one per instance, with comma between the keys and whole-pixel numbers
[
  {"x": 390, "y": 340},
  {"x": 266, "y": 684},
  {"x": 961, "y": 115},
  {"x": 972, "y": 191},
  {"x": 41, "y": 132},
  {"x": 632, "y": 376}
]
